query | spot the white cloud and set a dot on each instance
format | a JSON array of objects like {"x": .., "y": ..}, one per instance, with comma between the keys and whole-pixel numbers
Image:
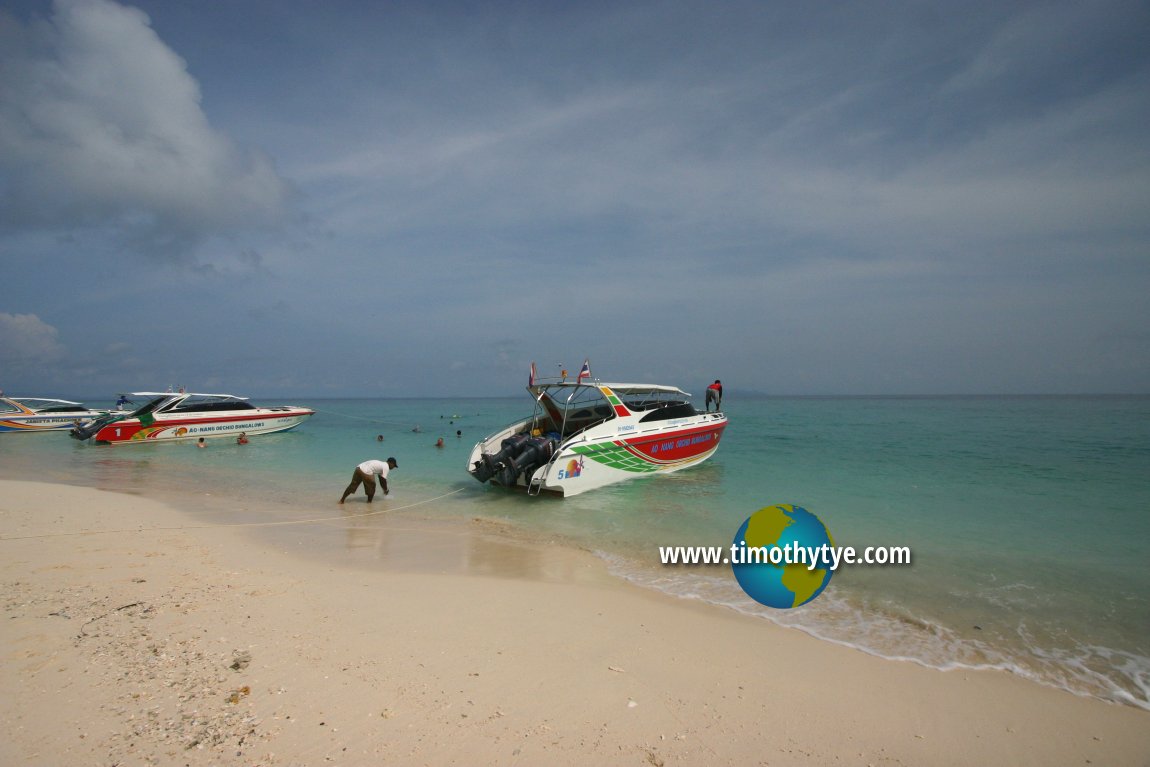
[
  {"x": 101, "y": 124},
  {"x": 26, "y": 340}
]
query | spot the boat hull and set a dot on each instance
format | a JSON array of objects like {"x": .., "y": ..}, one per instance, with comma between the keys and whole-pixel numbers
[
  {"x": 24, "y": 415},
  {"x": 584, "y": 463},
  {"x": 589, "y": 466},
  {"x": 193, "y": 427},
  {"x": 26, "y": 424},
  {"x": 592, "y": 465}
]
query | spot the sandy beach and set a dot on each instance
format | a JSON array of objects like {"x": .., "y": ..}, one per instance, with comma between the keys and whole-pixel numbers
[{"x": 137, "y": 634}]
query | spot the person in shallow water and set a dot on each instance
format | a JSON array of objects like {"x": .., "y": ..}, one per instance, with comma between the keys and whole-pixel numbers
[{"x": 366, "y": 473}]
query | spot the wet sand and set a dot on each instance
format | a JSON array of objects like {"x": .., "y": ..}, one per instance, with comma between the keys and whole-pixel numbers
[{"x": 135, "y": 633}]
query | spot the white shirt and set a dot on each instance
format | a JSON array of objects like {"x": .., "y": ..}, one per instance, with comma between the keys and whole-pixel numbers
[{"x": 375, "y": 467}]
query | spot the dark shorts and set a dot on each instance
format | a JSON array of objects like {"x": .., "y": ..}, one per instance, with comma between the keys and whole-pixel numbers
[{"x": 367, "y": 480}]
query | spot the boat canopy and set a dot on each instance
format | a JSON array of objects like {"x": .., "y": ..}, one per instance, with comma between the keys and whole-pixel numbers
[
  {"x": 618, "y": 388},
  {"x": 183, "y": 394}
]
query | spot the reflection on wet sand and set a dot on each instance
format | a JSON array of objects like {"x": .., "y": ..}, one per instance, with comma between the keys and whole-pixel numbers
[
  {"x": 120, "y": 475},
  {"x": 444, "y": 536},
  {"x": 477, "y": 547}
]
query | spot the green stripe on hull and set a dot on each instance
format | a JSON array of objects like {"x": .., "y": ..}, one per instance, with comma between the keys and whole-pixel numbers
[{"x": 617, "y": 458}]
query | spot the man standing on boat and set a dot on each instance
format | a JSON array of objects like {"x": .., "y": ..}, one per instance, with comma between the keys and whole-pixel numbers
[
  {"x": 715, "y": 394},
  {"x": 365, "y": 474}
]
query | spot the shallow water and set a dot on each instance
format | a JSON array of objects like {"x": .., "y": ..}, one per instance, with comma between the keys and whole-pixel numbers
[{"x": 1028, "y": 518}]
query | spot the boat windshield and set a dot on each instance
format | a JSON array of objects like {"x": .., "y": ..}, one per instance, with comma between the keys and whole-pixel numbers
[
  {"x": 39, "y": 405},
  {"x": 571, "y": 409},
  {"x": 638, "y": 399},
  {"x": 151, "y": 405},
  {"x": 60, "y": 407},
  {"x": 208, "y": 403}
]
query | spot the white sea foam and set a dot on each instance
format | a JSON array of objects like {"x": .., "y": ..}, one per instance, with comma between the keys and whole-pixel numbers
[{"x": 888, "y": 631}]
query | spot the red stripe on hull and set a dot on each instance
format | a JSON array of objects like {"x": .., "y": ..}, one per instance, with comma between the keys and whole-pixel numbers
[
  {"x": 122, "y": 431},
  {"x": 117, "y": 432},
  {"x": 676, "y": 446}
]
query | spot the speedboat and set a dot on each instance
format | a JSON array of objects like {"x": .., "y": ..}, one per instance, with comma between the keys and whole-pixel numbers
[
  {"x": 584, "y": 435},
  {"x": 34, "y": 414},
  {"x": 186, "y": 415}
]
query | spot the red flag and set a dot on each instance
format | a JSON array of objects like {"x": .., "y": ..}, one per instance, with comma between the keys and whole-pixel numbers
[{"x": 584, "y": 372}]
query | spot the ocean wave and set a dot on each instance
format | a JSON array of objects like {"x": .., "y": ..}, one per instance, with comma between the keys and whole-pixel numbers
[{"x": 887, "y": 630}]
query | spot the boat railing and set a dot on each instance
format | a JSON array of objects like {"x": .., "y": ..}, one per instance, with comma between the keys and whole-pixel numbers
[{"x": 535, "y": 481}]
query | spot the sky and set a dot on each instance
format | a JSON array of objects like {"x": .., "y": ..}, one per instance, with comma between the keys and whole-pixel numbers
[{"x": 286, "y": 198}]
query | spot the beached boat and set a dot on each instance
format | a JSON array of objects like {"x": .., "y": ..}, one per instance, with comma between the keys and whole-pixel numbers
[
  {"x": 186, "y": 415},
  {"x": 36, "y": 414},
  {"x": 585, "y": 435}
]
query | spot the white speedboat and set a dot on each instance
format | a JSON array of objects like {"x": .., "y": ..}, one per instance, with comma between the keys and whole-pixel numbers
[
  {"x": 190, "y": 416},
  {"x": 35, "y": 414},
  {"x": 584, "y": 435}
]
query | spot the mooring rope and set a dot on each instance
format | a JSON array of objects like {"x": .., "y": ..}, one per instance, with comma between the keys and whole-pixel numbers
[
  {"x": 360, "y": 417},
  {"x": 313, "y": 521}
]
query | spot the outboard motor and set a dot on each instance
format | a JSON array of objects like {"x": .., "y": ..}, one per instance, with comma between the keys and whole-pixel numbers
[
  {"x": 533, "y": 454},
  {"x": 489, "y": 465},
  {"x": 88, "y": 430}
]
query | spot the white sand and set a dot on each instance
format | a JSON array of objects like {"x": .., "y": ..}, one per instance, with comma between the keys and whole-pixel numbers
[{"x": 201, "y": 646}]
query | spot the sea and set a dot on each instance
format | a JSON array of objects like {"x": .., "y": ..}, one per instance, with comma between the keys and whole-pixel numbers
[{"x": 1027, "y": 518}]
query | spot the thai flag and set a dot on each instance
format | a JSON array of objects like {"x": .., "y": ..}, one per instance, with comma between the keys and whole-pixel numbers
[
  {"x": 584, "y": 372},
  {"x": 531, "y": 378}
]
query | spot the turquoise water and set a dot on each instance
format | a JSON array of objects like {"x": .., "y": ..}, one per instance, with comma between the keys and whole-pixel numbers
[{"x": 1028, "y": 518}]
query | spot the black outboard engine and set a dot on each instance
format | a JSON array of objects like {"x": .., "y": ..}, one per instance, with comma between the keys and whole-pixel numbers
[
  {"x": 489, "y": 465},
  {"x": 86, "y": 431},
  {"x": 534, "y": 454}
]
